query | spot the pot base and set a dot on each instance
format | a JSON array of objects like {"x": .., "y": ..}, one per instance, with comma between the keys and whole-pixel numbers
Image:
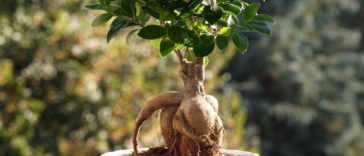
[{"x": 225, "y": 152}]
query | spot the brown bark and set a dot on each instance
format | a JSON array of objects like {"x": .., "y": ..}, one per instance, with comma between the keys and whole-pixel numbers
[
  {"x": 189, "y": 120},
  {"x": 197, "y": 122},
  {"x": 170, "y": 98}
]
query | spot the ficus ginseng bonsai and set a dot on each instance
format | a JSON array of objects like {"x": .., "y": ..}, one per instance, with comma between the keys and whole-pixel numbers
[{"x": 189, "y": 118}]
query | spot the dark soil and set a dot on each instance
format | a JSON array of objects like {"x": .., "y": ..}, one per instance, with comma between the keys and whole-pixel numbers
[
  {"x": 163, "y": 151},
  {"x": 155, "y": 151}
]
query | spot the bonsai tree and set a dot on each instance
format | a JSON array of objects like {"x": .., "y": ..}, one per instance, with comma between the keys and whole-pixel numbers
[{"x": 191, "y": 29}]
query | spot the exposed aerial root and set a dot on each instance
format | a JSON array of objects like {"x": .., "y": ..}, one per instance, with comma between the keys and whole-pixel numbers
[
  {"x": 170, "y": 98},
  {"x": 166, "y": 122},
  {"x": 190, "y": 122}
]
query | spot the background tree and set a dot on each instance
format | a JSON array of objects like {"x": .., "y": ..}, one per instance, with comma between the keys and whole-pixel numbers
[{"x": 307, "y": 80}]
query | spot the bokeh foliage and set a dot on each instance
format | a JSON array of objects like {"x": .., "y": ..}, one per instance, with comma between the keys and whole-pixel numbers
[
  {"x": 65, "y": 91},
  {"x": 304, "y": 86}
]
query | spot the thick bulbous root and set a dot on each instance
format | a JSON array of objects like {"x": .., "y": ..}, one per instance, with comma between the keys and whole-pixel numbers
[
  {"x": 202, "y": 145},
  {"x": 166, "y": 121},
  {"x": 170, "y": 98},
  {"x": 182, "y": 139},
  {"x": 198, "y": 145},
  {"x": 179, "y": 136},
  {"x": 190, "y": 121},
  {"x": 192, "y": 141}
]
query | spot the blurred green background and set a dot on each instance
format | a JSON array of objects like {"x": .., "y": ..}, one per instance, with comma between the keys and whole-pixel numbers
[{"x": 65, "y": 91}]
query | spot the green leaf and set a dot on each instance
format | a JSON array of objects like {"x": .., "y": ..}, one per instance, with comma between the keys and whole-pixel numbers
[
  {"x": 101, "y": 19},
  {"x": 152, "y": 12},
  {"x": 192, "y": 39},
  {"x": 141, "y": 14},
  {"x": 205, "y": 47},
  {"x": 156, "y": 43},
  {"x": 262, "y": 28},
  {"x": 177, "y": 5},
  {"x": 193, "y": 4},
  {"x": 222, "y": 23},
  {"x": 191, "y": 57},
  {"x": 261, "y": 23},
  {"x": 96, "y": 6},
  {"x": 225, "y": 31},
  {"x": 102, "y": 1},
  {"x": 199, "y": 25},
  {"x": 203, "y": 50},
  {"x": 166, "y": 47},
  {"x": 127, "y": 8},
  {"x": 152, "y": 32},
  {"x": 222, "y": 41},
  {"x": 180, "y": 46},
  {"x": 116, "y": 26},
  {"x": 206, "y": 61},
  {"x": 241, "y": 29},
  {"x": 167, "y": 15},
  {"x": 238, "y": 3},
  {"x": 124, "y": 12},
  {"x": 232, "y": 20},
  {"x": 250, "y": 12},
  {"x": 265, "y": 17},
  {"x": 212, "y": 16},
  {"x": 207, "y": 39},
  {"x": 177, "y": 34},
  {"x": 235, "y": 19},
  {"x": 231, "y": 8},
  {"x": 105, "y": 1},
  {"x": 153, "y": 5},
  {"x": 240, "y": 42},
  {"x": 185, "y": 14},
  {"x": 180, "y": 35}
]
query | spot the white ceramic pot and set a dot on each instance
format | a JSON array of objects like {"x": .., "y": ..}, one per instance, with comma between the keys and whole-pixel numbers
[{"x": 225, "y": 152}]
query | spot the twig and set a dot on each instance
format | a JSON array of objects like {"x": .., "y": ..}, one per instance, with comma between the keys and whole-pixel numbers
[
  {"x": 200, "y": 71},
  {"x": 179, "y": 56}
]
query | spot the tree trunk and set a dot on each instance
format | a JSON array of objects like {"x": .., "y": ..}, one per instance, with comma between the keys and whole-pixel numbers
[
  {"x": 198, "y": 128},
  {"x": 190, "y": 122}
]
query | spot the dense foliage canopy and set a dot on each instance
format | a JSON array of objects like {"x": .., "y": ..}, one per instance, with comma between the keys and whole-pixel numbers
[{"x": 195, "y": 24}]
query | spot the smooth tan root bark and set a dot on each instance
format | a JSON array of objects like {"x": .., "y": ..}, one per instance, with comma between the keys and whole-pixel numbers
[
  {"x": 171, "y": 98},
  {"x": 189, "y": 119}
]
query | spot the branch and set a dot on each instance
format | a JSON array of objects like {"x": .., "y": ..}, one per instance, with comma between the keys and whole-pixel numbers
[
  {"x": 180, "y": 57},
  {"x": 200, "y": 69},
  {"x": 192, "y": 70}
]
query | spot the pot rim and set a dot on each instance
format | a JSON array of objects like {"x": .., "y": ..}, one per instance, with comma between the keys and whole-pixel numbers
[{"x": 125, "y": 152}]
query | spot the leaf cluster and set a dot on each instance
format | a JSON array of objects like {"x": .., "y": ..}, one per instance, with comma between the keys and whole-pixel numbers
[{"x": 177, "y": 24}]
